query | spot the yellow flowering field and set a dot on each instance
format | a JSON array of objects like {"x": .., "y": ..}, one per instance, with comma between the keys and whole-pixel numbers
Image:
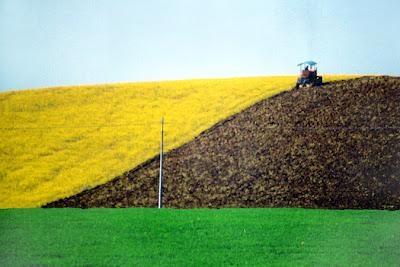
[{"x": 56, "y": 142}]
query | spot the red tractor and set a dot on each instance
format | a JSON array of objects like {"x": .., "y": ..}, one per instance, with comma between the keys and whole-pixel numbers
[{"x": 308, "y": 75}]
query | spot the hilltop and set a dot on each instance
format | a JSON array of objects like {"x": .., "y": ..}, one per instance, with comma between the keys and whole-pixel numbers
[{"x": 337, "y": 146}]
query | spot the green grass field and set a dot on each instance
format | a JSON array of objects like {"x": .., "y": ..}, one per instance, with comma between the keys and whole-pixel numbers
[{"x": 151, "y": 237}]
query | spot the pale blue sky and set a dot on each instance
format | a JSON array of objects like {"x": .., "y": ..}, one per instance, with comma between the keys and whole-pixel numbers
[{"x": 66, "y": 42}]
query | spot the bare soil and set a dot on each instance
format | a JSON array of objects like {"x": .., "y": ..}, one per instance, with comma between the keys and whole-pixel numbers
[{"x": 335, "y": 146}]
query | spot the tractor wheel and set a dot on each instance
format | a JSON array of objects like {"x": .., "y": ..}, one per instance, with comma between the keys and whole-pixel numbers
[{"x": 319, "y": 81}]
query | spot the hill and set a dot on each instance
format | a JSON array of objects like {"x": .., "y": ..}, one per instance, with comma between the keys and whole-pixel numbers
[
  {"x": 56, "y": 142},
  {"x": 337, "y": 146}
]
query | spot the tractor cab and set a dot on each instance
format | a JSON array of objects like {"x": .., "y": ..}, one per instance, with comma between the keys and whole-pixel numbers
[{"x": 308, "y": 75}]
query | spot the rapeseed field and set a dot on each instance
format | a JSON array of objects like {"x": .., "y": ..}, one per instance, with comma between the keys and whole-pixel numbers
[{"x": 56, "y": 142}]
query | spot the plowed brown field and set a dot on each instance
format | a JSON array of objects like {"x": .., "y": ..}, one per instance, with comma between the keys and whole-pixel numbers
[{"x": 336, "y": 146}]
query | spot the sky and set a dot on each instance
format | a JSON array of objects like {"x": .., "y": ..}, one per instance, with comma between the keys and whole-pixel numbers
[{"x": 70, "y": 42}]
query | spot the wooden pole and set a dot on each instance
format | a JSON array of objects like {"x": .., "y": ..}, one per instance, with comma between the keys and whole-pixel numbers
[{"x": 160, "y": 184}]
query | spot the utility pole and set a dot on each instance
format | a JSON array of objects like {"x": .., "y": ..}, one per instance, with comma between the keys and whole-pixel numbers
[{"x": 161, "y": 165}]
